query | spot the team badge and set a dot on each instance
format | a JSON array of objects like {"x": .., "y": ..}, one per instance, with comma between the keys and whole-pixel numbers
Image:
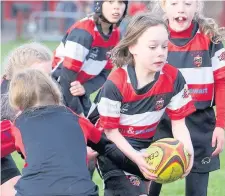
[
  {"x": 159, "y": 104},
  {"x": 198, "y": 61}
]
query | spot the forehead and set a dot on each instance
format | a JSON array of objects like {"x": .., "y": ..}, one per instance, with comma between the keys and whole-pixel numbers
[{"x": 155, "y": 33}]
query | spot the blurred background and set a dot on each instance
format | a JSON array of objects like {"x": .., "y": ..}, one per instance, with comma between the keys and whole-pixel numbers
[{"x": 48, "y": 20}]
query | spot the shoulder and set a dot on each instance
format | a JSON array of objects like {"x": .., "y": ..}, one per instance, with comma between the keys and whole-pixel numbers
[{"x": 87, "y": 24}]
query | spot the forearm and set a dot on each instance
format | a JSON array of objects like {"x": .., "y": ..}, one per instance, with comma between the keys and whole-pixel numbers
[
  {"x": 96, "y": 83},
  {"x": 115, "y": 136},
  {"x": 181, "y": 132}
]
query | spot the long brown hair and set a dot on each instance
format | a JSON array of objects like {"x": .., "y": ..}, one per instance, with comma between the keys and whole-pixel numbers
[
  {"x": 32, "y": 88},
  {"x": 136, "y": 27}
]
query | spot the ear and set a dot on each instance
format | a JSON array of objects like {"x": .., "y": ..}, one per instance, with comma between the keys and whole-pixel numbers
[{"x": 132, "y": 49}]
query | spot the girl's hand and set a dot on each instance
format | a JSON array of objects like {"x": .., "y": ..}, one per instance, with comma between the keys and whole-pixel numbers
[
  {"x": 218, "y": 140},
  {"x": 191, "y": 154},
  {"x": 144, "y": 166},
  {"x": 77, "y": 89},
  {"x": 91, "y": 154}
]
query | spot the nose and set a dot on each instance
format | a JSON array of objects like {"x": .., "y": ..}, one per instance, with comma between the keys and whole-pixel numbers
[
  {"x": 116, "y": 5},
  {"x": 181, "y": 7},
  {"x": 161, "y": 52}
]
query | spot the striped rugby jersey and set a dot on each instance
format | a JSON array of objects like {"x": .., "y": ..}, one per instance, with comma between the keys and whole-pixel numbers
[
  {"x": 200, "y": 61},
  {"x": 137, "y": 112},
  {"x": 85, "y": 50}
]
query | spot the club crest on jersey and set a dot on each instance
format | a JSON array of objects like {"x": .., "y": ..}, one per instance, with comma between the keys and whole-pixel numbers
[
  {"x": 159, "y": 104},
  {"x": 198, "y": 61}
]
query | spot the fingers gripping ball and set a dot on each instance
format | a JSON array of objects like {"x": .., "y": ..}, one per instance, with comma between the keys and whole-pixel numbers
[{"x": 168, "y": 158}]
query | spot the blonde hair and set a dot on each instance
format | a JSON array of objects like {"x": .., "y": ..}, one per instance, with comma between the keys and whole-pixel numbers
[
  {"x": 32, "y": 88},
  {"x": 136, "y": 27},
  {"x": 208, "y": 26},
  {"x": 25, "y": 56}
]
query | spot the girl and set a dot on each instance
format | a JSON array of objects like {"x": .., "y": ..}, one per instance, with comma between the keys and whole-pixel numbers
[
  {"x": 27, "y": 55},
  {"x": 195, "y": 48},
  {"x": 81, "y": 59},
  {"x": 134, "y": 98},
  {"x": 51, "y": 138}
]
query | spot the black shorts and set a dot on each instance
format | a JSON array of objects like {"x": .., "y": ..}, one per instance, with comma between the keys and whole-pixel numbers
[
  {"x": 8, "y": 169},
  {"x": 124, "y": 186},
  {"x": 201, "y": 125}
]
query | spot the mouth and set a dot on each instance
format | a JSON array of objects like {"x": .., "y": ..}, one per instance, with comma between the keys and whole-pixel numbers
[
  {"x": 180, "y": 19},
  {"x": 159, "y": 63},
  {"x": 116, "y": 15}
]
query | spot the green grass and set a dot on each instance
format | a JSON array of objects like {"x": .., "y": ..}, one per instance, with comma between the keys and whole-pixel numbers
[{"x": 217, "y": 178}]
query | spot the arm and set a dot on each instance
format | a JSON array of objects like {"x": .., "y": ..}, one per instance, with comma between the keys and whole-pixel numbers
[
  {"x": 180, "y": 106},
  {"x": 180, "y": 132},
  {"x": 115, "y": 136},
  {"x": 109, "y": 110},
  {"x": 96, "y": 83},
  {"x": 218, "y": 65}
]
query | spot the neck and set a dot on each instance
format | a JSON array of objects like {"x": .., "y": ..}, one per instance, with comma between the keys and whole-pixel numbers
[
  {"x": 143, "y": 76},
  {"x": 105, "y": 27},
  {"x": 182, "y": 34}
]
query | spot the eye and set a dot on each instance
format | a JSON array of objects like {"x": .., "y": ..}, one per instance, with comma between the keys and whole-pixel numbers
[
  {"x": 173, "y": 4},
  {"x": 152, "y": 47},
  {"x": 165, "y": 46}
]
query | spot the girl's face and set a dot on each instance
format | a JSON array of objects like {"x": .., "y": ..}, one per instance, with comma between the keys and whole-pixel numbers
[
  {"x": 113, "y": 10},
  {"x": 150, "y": 51},
  {"x": 180, "y": 13}
]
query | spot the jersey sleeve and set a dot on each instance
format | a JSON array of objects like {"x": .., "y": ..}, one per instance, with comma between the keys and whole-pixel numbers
[
  {"x": 18, "y": 139},
  {"x": 76, "y": 47},
  {"x": 109, "y": 105},
  {"x": 89, "y": 130},
  {"x": 181, "y": 104},
  {"x": 218, "y": 60},
  {"x": 218, "y": 65}
]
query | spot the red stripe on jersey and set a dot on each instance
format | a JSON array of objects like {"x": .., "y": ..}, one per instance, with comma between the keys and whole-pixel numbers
[
  {"x": 182, "y": 112},
  {"x": 90, "y": 132},
  {"x": 220, "y": 100},
  {"x": 109, "y": 65},
  {"x": 219, "y": 73},
  {"x": 18, "y": 140},
  {"x": 159, "y": 88},
  {"x": 201, "y": 92},
  {"x": 85, "y": 24},
  {"x": 83, "y": 77},
  {"x": 55, "y": 61},
  {"x": 198, "y": 43},
  {"x": 164, "y": 84},
  {"x": 106, "y": 122},
  {"x": 142, "y": 132},
  {"x": 72, "y": 64},
  {"x": 111, "y": 42},
  {"x": 7, "y": 140}
]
